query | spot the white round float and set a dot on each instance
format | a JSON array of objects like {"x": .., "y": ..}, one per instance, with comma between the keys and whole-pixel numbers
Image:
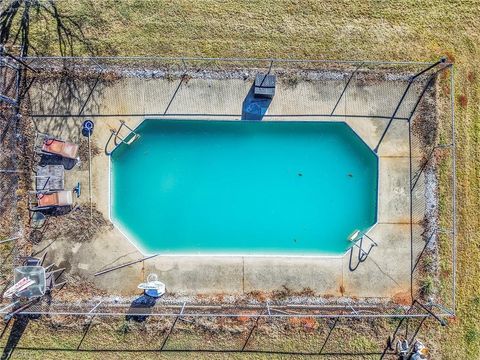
[{"x": 153, "y": 287}]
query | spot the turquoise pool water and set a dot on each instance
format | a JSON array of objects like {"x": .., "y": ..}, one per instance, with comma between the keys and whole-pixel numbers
[{"x": 241, "y": 187}]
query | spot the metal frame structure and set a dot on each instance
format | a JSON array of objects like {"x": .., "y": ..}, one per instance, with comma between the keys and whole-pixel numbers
[{"x": 424, "y": 76}]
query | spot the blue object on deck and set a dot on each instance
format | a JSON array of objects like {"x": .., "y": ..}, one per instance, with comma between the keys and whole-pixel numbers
[
  {"x": 87, "y": 128},
  {"x": 77, "y": 189},
  {"x": 153, "y": 293},
  {"x": 254, "y": 108}
]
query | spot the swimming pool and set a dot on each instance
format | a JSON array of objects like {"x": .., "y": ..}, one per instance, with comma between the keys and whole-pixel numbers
[{"x": 243, "y": 187}]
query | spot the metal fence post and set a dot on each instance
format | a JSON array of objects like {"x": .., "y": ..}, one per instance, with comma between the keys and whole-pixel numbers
[{"x": 171, "y": 328}]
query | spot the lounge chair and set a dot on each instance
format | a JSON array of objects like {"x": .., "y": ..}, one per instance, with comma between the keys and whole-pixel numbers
[
  {"x": 59, "y": 147},
  {"x": 52, "y": 199},
  {"x": 55, "y": 198}
]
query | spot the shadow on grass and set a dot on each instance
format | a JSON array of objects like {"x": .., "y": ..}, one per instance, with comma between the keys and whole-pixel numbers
[{"x": 19, "y": 326}]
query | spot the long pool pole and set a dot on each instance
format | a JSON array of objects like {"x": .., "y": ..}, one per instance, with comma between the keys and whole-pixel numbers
[{"x": 90, "y": 177}]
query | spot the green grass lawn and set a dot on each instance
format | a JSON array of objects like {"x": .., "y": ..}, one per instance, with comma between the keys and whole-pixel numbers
[{"x": 329, "y": 29}]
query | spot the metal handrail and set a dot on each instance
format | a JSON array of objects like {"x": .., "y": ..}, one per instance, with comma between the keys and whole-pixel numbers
[{"x": 115, "y": 135}]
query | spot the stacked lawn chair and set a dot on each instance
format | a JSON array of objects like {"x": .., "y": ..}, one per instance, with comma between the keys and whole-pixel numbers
[
  {"x": 49, "y": 177},
  {"x": 49, "y": 193}
]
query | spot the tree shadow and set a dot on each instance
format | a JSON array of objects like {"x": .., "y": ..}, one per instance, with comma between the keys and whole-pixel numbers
[
  {"x": 71, "y": 92},
  {"x": 58, "y": 89},
  {"x": 254, "y": 108}
]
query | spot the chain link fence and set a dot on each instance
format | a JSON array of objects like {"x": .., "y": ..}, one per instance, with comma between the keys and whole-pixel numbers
[
  {"x": 11, "y": 171},
  {"x": 344, "y": 80},
  {"x": 432, "y": 181},
  {"x": 384, "y": 92}
]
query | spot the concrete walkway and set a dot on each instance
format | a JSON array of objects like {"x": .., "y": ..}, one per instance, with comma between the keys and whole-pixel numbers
[{"x": 386, "y": 272}]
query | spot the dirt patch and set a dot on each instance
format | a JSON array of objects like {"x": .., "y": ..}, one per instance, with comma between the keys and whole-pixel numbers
[{"x": 402, "y": 298}]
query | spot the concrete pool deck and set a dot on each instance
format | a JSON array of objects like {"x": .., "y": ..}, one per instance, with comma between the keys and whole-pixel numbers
[{"x": 386, "y": 272}]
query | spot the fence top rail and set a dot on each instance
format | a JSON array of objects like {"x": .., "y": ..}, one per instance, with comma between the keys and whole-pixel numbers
[
  {"x": 180, "y": 58},
  {"x": 247, "y": 315},
  {"x": 103, "y": 308}
]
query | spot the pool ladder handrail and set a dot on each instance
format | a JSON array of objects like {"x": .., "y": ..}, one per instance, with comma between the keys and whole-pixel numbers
[
  {"x": 115, "y": 134},
  {"x": 362, "y": 254}
]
